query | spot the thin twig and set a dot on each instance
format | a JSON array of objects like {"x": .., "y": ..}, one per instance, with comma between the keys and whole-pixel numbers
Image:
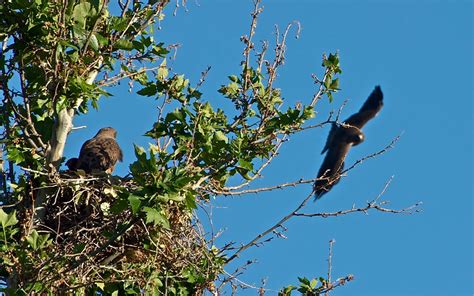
[
  {"x": 263, "y": 189},
  {"x": 373, "y": 204},
  {"x": 331, "y": 243},
  {"x": 255, "y": 240}
]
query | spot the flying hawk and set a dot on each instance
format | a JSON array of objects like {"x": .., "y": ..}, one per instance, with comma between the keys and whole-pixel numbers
[
  {"x": 99, "y": 154},
  {"x": 341, "y": 138}
]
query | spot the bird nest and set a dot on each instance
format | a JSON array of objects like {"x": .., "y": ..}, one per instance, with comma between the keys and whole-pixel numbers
[{"x": 93, "y": 236}]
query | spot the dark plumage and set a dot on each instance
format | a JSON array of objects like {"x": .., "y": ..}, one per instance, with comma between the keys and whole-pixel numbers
[
  {"x": 100, "y": 153},
  {"x": 340, "y": 140}
]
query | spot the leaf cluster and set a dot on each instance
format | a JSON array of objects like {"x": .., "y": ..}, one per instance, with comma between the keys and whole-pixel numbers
[
  {"x": 313, "y": 287},
  {"x": 140, "y": 234}
]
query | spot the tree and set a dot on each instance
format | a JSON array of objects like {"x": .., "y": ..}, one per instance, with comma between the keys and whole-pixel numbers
[{"x": 65, "y": 231}]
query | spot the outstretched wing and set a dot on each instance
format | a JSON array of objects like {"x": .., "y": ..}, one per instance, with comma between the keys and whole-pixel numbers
[
  {"x": 330, "y": 139},
  {"x": 329, "y": 173},
  {"x": 368, "y": 111}
]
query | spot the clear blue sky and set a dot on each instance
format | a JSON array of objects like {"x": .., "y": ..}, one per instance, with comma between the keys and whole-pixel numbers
[{"x": 421, "y": 53}]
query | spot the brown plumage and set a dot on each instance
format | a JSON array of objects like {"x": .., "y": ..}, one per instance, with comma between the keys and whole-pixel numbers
[
  {"x": 99, "y": 154},
  {"x": 341, "y": 138}
]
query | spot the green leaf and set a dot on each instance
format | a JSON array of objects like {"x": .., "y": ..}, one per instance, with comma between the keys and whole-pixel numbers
[
  {"x": 244, "y": 164},
  {"x": 82, "y": 11},
  {"x": 140, "y": 152},
  {"x": 15, "y": 155},
  {"x": 138, "y": 46},
  {"x": 32, "y": 239},
  {"x": 190, "y": 201},
  {"x": 119, "y": 23},
  {"x": 156, "y": 217},
  {"x": 174, "y": 196},
  {"x": 162, "y": 71},
  {"x": 327, "y": 81},
  {"x": 175, "y": 115},
  {"x": 220, "y": 136},
  {"x": 36, "y": 240},
  {"x": 159, "y": 50},
  {"x": 100, "y": 285},
  {"x": 119, "y": 206},
  {"x": 94, "y": 43},
  {"x": 304, "y": 281},
  {"x": 135, "y": 202},
  {"x": 123, "y": 44},
  {"x": 334, "y": 84},
  {"x": 287, "y": 291},
  {"x": 103, "y": 41},
  {"x": 329, "y": 94},
  {"x": 7, "y": 219},
  {"x": 149, "y": 90}
]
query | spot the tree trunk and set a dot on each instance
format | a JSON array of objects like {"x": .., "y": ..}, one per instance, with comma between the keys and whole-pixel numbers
[{"x": 55, "y": 151}]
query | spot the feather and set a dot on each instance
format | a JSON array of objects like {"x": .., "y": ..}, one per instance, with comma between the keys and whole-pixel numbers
[
  {"x": 341, "y": 138},
  {"x": 100, "y": 153}
]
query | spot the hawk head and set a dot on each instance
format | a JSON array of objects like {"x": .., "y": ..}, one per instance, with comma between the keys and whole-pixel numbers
[
  {"x": 72, "y": 163},
  {"x": 106, "y": 132},
  {"x": 353, "y": 135}
]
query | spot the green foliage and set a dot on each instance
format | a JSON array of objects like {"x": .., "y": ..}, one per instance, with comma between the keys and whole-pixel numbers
[
  {"x": 135, "y": 235},
  {"x": 330, "y": 83},
  {"x": 6, "y": 222},
  {"x": 314, "y": 287}
]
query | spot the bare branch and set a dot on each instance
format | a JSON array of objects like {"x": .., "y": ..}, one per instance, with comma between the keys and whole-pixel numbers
[
  {"x": 374, "y": 204},
  {"x": 331, "y": 243},
  {"x": 319, "y": 93},
  {"x": 255, "y": 240},
  {"x": 388, "y": 147},
  {"x": 263, "y": 189},
  {"x": 118, "y": 77},
  {"x": 124, "y": 7},
  {"x": 339, "y": 282}
]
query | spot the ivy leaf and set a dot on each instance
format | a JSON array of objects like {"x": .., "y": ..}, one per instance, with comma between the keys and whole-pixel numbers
[
  {"x": 7, "y": 219},
  {"x": 36, "y": 240}
]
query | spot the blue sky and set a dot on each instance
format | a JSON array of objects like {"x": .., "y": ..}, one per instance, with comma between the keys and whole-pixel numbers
[{"x": 421, "y": 53}]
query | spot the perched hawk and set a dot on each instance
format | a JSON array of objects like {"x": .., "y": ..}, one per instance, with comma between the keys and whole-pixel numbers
[
  {"x": 340, "y": 140},
  {"x": 100, "y": 153}
]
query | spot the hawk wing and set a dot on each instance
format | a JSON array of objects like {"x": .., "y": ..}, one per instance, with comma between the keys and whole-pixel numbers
[
  {"x": 341, "y": 139},
  {"x": 330, "y": 139},
  {"x": 329, "y": 173},
  {"x": 371, "y": 107},
  {"x": 101, "y": 154}
]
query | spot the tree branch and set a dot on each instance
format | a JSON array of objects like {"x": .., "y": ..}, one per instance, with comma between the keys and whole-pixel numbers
[{"x": 374, "y": 204}]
